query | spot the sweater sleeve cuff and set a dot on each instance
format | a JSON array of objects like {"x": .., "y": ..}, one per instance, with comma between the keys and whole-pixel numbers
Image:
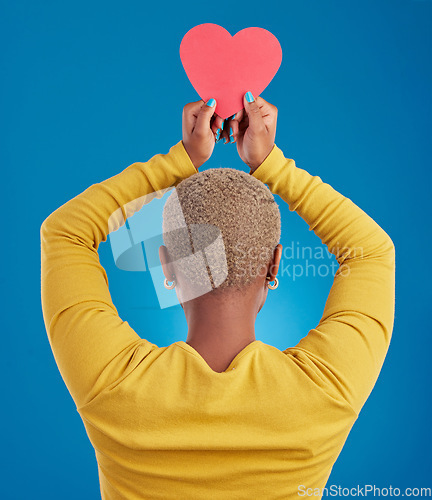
[{"x": 182, "y": 160}]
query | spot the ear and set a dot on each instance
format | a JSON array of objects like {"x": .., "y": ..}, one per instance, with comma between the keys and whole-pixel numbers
[
  {"x": 166, "y": 265},
  {"x": 274, "y": 264}
]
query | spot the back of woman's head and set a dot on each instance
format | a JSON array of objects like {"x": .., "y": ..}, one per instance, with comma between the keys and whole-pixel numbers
[{"x": 230, "y": 220}]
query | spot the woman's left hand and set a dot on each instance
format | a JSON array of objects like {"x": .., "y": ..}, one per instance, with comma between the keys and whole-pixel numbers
[{"x": 200, "y": 125}]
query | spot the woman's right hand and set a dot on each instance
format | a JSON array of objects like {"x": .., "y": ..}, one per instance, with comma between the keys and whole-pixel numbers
[{"x": 254, "y": 130}]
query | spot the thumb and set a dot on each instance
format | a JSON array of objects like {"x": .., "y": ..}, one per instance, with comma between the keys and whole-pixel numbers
[
  {"x": 204, "y": 116},
  {"x": 256, "y": 122}
]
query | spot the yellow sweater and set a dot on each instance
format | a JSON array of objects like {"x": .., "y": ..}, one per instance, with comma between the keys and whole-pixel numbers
[{"x": 163, "y": 424}]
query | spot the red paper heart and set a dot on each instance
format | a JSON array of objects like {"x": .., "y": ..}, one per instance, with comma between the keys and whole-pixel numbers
[{"x": 225, "y": 67}]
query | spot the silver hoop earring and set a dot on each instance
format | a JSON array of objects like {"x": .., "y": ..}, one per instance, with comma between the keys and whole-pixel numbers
[
  {"x": 276, "y": 283},
  {"x": 169, "y": 287}
]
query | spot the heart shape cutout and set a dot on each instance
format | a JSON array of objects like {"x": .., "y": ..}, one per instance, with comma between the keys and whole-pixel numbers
[{"x": 225, "y": 67}]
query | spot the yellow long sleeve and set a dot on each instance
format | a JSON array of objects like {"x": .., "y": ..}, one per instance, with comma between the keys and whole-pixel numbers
[
  {"x": 348, "y": 346},
  {"x": 92, "y": 345}
]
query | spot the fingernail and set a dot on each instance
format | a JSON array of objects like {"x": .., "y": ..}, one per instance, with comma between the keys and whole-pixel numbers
[
  {"x": 231, "y": 132},
  {"x": 249, "y": 97},
  {"x": 233, "y": 116},
  {"x": 218, "y": 134},
  {"x": 211, "y": 102},
  {"x": 223, "y": 122}
]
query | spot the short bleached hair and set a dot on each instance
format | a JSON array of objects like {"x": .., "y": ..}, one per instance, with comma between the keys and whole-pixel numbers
[{"x": 229, "y": 203}]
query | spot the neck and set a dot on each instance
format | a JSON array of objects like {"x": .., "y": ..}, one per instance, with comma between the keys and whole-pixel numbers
[{"x": 221, "y": 326}]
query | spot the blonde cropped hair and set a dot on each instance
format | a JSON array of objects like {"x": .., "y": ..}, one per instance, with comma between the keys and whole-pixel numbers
[{"x": 232, "y": 216}]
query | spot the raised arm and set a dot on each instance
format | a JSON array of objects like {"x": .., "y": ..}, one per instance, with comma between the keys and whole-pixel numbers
[
  {"x": 93, "y": 347},
  {"x": 91, "y": 344},
  {"x": 348, "y": 346}
]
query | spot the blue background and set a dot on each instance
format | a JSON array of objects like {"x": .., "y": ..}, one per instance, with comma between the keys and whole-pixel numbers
[{"x": 87, "y": 88}]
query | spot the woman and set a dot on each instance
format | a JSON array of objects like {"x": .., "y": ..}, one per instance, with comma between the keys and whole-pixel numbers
[{"x": 222, "y": 415}]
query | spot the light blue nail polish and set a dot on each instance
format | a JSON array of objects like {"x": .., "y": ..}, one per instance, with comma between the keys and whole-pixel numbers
[
  {"x": 231, "y": 132},
  {"x": 233, "y": 116},
  {"x": 218, "y": 133},
  {"x": 249, "y": 97},
  {"x": 211, "y": 102}
]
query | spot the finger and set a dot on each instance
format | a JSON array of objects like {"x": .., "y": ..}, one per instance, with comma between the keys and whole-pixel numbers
[
  {"x": 205, "y": 114},
  {"x": 230, "y": 129},
  {"x": 225, "y": 135},
  {"x": 253, "y": 111},
  {"x": 190, "y": 113},
  {"x": 233, "y": 129},
  {"x": 218, "y": 121},
  {"x": 242, "y": 119},
  {"x": 224, "y": 128},
  {"x": 239, "y": 115},
  {"x": 217, "y": 127},
  {"x": 269, "y": 113},
  {"x": 265, "y": 107},
  {"x": 238, "y": 123}
]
